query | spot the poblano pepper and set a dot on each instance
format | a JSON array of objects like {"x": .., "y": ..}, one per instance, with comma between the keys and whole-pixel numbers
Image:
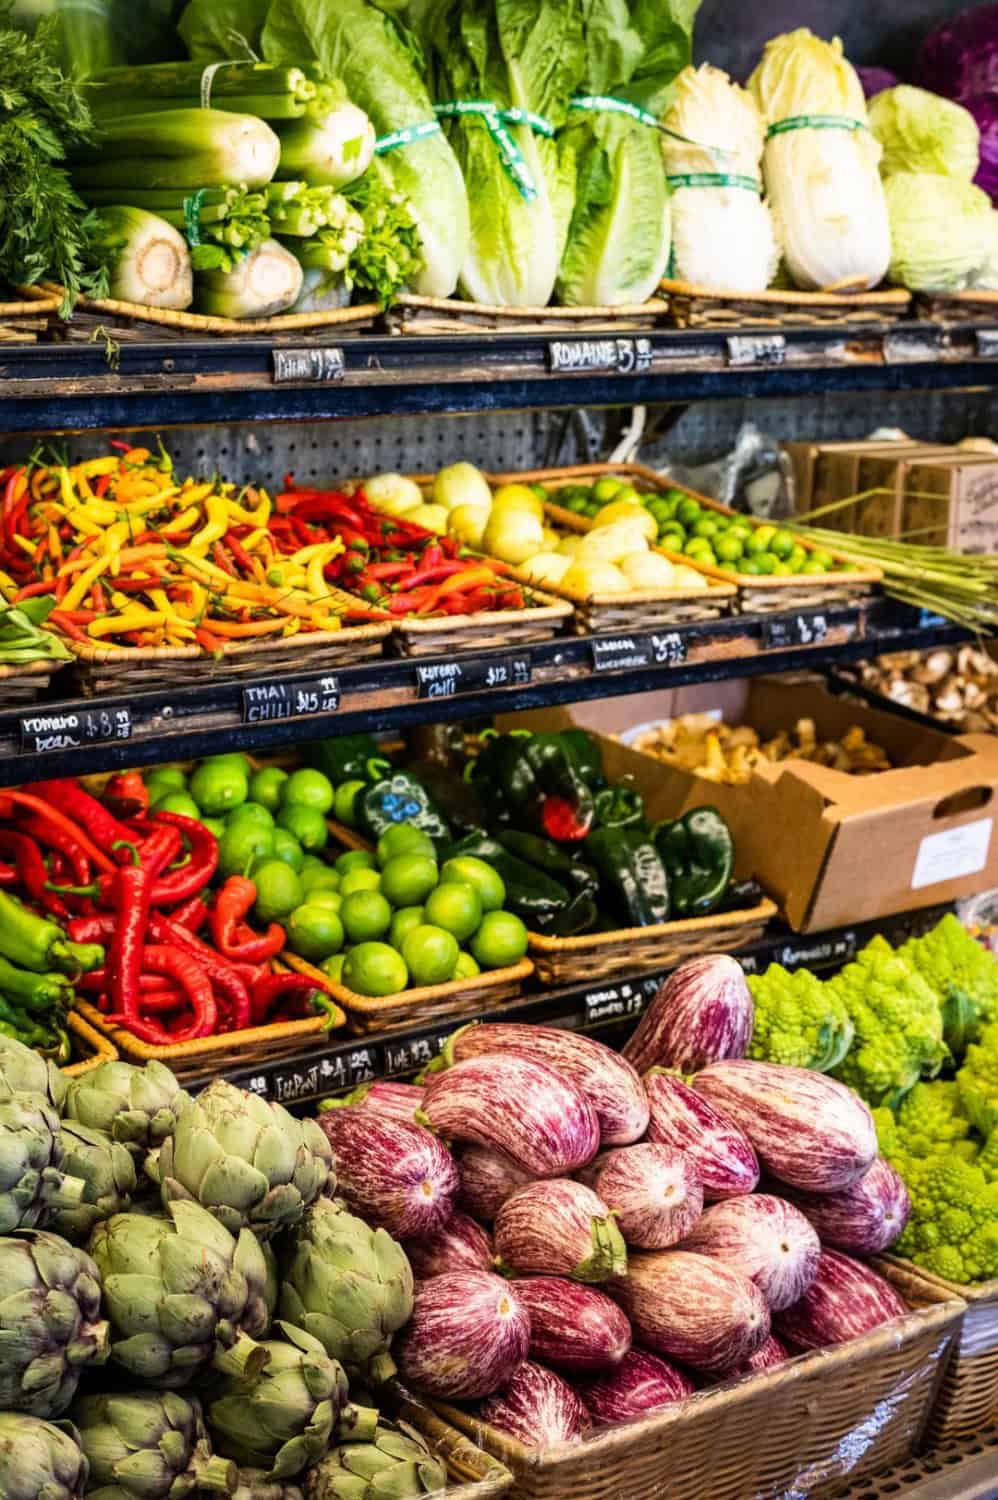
[
  {"x": 537, "y": 898},
  {"x": 620, "y": 806},
  {"x": 579, "y": 879},
  {"x": 633, "y": 878},
  {"x": 393, "y": 796},
  {"x": 699, "y": 856},
  {"x": 540, "y": 783},
  {"x": 344, "y": 758}
]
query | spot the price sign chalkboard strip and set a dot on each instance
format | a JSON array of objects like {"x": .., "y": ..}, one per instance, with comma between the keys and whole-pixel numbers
[
  {"x": 756, "y": 349},
  {"x": 632, "y": 653},
  {"x": 781, "y": 632},
  {"x": 609, "y": 356},
  {"x": 264, "y": 702},
  {"x": 74, "y": 729},
  {"x": 446, "y": 679},
  {"x": 308, "y": 366}
]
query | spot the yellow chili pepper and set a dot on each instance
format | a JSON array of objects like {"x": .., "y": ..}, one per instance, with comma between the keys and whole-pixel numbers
[
  {"x": 200, "y": 569},
  {"x": 129, "y": 619},
  {"x": 194, "y": 606},
  {"x": 256, "y": 540},
  {"x": 218, "y": 524},
  {"x": 84, "y": 583},
  {"x": 93, "y": 468},
  {"x": 184, "y": 522},
  {"x": 258, "y": 517}
]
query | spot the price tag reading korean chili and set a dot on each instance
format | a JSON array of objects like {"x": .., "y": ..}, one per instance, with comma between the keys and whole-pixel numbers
[
  {"x": 446, "y": 679},
  {"x": 297, "y": 699},
  {"x": 73, "y": 730}
]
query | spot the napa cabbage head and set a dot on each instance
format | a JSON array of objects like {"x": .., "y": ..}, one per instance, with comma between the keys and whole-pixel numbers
[
  {"x": 920, "y": 132},
  {"x": 942, "y": 235},
  {"x": 722, "y": 230}
]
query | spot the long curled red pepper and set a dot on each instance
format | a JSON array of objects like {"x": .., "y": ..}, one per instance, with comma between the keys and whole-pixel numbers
[
  {"x": 31, "y": 871},
  {"x": 56, "y": 838},
  {"x": 171, "y": 963},
  {"x": 132, "y": 901},
  {"x": 220, "y": 972},
  {"x": 9, "y": 800},
  {"x": 274, "y": 989},
  {"x": 233, "y": 902},
  {"x": 71, "y": 798}
]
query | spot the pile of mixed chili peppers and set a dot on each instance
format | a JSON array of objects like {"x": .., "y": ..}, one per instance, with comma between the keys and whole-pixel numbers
[{"x": 113, "y": 902}]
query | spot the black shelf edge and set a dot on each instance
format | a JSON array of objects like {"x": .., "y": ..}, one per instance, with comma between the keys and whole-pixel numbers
[
  {"x": 602, "y": 1009},
  {"x": 183, "y": 723},
  {"x": 72, "y": 387}
]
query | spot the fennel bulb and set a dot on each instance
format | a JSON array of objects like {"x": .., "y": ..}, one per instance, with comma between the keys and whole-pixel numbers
[
  {"x": 941, "y": 231},
  {"x": 723, "y": 236},
  {"x": 822, "y": 177}
]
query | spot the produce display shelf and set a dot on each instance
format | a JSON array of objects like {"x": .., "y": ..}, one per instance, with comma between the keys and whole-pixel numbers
[
  {"x": 109, "y": 384},
  {"x": 966, "y": 1470},
  {"x": 598, "y": 1008},
  {"x": 78, "y": 736}
]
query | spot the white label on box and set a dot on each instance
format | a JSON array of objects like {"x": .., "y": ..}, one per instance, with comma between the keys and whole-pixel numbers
[{"x": 955, "y": 852}]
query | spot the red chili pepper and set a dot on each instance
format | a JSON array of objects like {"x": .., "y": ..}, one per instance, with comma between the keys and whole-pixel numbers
[
  {"x": 126, "y": 795},
  {"x": 272, "y": 989},
  {"x": 180, "y": 885},
  {"x": 61, "y": 622},
  {"x": 91, "y": 929},
  {"x": 34, "y": 590},
  {"x": 95, "y": 983},
  {"x": 54, "y": 838},
  {"x": 222, "y": 974},
  {"x": 234, "y": 901},
  {"x": 132, "y": 901},
  {"x": 172, "y": 963},
  {"x": 31, "y": 871},
  {"x": 239, "y": 552},
  {"x": 379, "y": 572},
  {"x": 192, "y": 915},
  {"x": 70, "y": 798},
  {"x": 223, "y": 560},
  {"x": 8, "y": 876},
  {"x": 160, "y": 849},
  {"x": 10, "y": 799},
  {"x": 435, "y": 574}
]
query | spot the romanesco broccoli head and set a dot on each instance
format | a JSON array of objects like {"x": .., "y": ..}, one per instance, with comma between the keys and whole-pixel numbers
[
  {"x": 930, "y": 1122},
  {"x": 899, "y": 1030},
  {"x": 987, "y": 1159},
  {"x": 963, "y": 973},
  {"x": 953, "y": 1229},
  {"x": 977, "y": 1081},
  {"x": 798, "y": 1020}
]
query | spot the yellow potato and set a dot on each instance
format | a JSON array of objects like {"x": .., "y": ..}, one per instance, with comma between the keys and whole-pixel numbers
[
  {"x": 547, "y": 567},
  {"x": 433, "y": 517},
  {"x": 468, "y": 523}
]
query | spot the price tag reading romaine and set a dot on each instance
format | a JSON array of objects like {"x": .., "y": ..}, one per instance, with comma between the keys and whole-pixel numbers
[
  {"x": 611, "y": 356},
  {"x": 308, "y": 366},
  {"x": 297, "y": 699},
  {"x": 784, "y": 631},
  {"x": 446, "y": 679},
  {"x": 74, "y": 730},
  {"x": 756, "y": 349}
]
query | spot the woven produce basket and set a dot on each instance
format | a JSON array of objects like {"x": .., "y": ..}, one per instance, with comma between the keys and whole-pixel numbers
[
  {"x": 111, "y": 669},
  {"x": 473, "y": 1474},
  {"x": 25, "y": 313},
  {"x": 457, "y": 1000},
  {"x": 802, "y": 1428},
  {"x": 693, "y": 306},
  {"x": 26, "y": 684},
  {"x": 90, "y": 1047},
  {"x": 152, "y": 321},
  {"x": 968, "y": 1396},
  {"x": 419, "y": 315},
  {"x": 543, "y": 618},
  {"x": 958, "y": 307}
]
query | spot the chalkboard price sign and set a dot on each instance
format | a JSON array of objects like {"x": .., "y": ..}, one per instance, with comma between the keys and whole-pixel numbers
[
  {"x": 74, "y": 729},
  {"x": 295, "y": 699}
]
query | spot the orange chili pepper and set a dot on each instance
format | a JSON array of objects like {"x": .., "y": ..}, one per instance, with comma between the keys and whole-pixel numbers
[{"x": 253, "y": 627}]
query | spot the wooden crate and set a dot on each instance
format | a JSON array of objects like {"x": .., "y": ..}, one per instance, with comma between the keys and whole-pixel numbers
[
  {"x": 27, "y": 683},
  {"x": 693, "y": 306}
]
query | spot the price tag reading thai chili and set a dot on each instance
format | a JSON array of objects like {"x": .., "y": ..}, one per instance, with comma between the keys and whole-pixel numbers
[
  {"x": 74, "y": 729},
  {"x": 264, "y": 702}
]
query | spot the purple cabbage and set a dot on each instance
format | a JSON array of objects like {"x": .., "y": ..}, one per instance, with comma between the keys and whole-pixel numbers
[
  {"x": 984, "y": 108},
  {"x": 960, "y": 58},
  {"x": 875, "y": 80}
]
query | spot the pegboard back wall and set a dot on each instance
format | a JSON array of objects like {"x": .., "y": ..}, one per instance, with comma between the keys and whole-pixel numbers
[{"x": 323, "y": 452}]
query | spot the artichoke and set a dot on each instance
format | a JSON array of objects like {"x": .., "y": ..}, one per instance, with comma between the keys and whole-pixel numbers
[
  {"x": 286, "y": 1419},
  {"x": 350, "y": 1286},
  {"x": 50, "y": 1323},
  {"x": 255, "y": 1485},
  {"x": 136, "y": 1106},
  {"x": 108, "y": 1172},
  {"x": 40, "y": 1460},
  {"x": 395, "y": 1466},
  {"x": 32, "y": 1182},
  {"x": 24, "y": 1071},
  {"x": 182, "y": 1294},
  {"x": 247, "y": 1161},
  {"x": 151, "y": 1446}
]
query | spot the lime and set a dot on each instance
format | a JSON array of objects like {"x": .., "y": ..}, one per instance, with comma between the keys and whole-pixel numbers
[
  {"x": 330, "y": 900},
  {"x": 782, "y": 570},
  {"x": 250, "y": 812},
  {"x": 318, "y": 877},
  {"x": 361, "y": 879},
  {"x": 306, "y": 824},
  {"x": 278, "y": 890},
  {"x": 408, "y": 879},
  {"x": 749, "y": 565},
  {"x": 797, "y": 559},
  {"x": 219, "y": 785},
  {"x": 430, "y": 954},
  {"x": 177, "y": 802},
  {"x": 170, "y": 778},
  {"x": 365, "y": 915},
  {"x": 232, "y": 760},
  {"x": 467, "y": 870},
  {"x": 404, "y": 920},
  {"x": 241, "y": 845},
  {"x": 672, "y": 539},
  {"x": 466, "y": 967},
  {"x": 314, "y": 932},
  {"x": 757, "y": 543},
  {"x": 782, "y": 544},
  {"x": 374, "y": 969},
  {"x": 826, "y": 559},
  {"x": 605, "y": 490},
  {"x": 404, "y": 838},
  {"x": 265, "y": 787},
  {"x": 728, "y": 549},
  {"x": 308, "y": 788},
  {"x": 689, "y": 511},
  {"x": 333, "y": 967},
  {"x": 214, "y": 825},
  {"x": 344, "y": 802},
  {"x": 814, "y": 565},
  {"x": 354, "y": 859},
  {"x": 764, "y": 535},
  {"x": 501, "y": 940},
  {"x": 708, "y": 526},
  {"x": 698, "y": 546},
  {"x": 766, "y": 562},
  {"x": 287, "y": 847},
  {"x": 456, "y": 907}
]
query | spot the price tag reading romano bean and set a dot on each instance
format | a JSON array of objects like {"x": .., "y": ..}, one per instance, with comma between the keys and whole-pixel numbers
[
  {"x": 611, "y": 356},
  {"x": 73, "y": 730},
  {"x": 629, "y": 653},
  {"x": 756, "y": 349},
  {"x": 783, "y": 631},
  {"x": 266, "y": 701},
  {"x": 308, "y": 366},
  {"x": 445, "y": 679}
]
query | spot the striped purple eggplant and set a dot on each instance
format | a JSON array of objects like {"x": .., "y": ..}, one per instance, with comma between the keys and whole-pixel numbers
[
  {"x": 866, "y": 1217},
  {"x": 766, "y": 1357},
  {"x": 693, "y": 1309},
  {"x": 487, "y": 1180},
  {"x": 575, "y": 1328},
  {"x": 809, "y": 1130},
  {"x": 468, "y": 1333},
  {"x": 610, "y": 1084},
  {"x": 765, "y": 1238},
  {"x": 391, "y": 1101},
  {"x": 518, "y": 1106},
  {"x": 641, "y": 1384},
  {"x": 538, "y": 1408},
  {"x": 702, "y": 1014},
  {"x": 721, "y": 1154},
  {"x": 845, "y": 1300},
  {"x": 654, "y": 1191},
  {"x": 559, "y": 1228},
  {"x": 397, "y": 1177},
  {"x": 462, "y": 1245}
]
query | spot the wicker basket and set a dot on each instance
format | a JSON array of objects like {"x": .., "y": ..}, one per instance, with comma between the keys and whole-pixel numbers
[
  {"x": 28, "y": 683},
  {"x": 968, "y": 1396},
  {"x": 642, "y": 950},
  {"x": 212, "y": 1056},
  {"x": 958, "y": 307},
  {"x": 420, "y": 315},
  {"x": 90, "y": 1047},
  {"x": 25, "y": 313},
  {"x": 543, "y": 618},
  {"x": 110, "y": 669},
  {"x": 693, "y": 306},
  {"x": 473, "y": 1474},
  {"x": 799, "y": 1429},
  {"x": 150, "y": 322},
  {"x": 456, "y": 1000}
]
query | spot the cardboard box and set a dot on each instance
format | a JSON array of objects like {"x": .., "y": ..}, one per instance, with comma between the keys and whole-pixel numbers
[
  {"x": 951, "y": 501},
  {"x": 831, "y": 848}
]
